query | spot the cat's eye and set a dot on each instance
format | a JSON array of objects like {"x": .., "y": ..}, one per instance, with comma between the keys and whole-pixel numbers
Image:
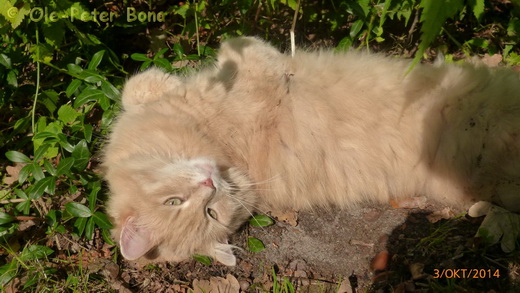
[
  {"x": 174, "y": 201},
  {"x": 212, "y": 213}
]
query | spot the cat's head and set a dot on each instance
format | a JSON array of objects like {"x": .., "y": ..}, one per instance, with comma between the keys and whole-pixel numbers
[
  {"x": 168, "y": 209},
  {"x": 172, "y": 192}
]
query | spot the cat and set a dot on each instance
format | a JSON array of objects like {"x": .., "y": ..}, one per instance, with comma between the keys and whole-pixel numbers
[{"x": 191, "y": 158}]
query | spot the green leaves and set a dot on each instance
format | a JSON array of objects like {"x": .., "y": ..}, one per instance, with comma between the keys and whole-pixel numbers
[
  {"x": 29, "y": 253},
  {"x": 87, "y": 219},
  {"x": 53, "y": 33},
  {"x": 64, "y": 166},
  {"x": 67, "y": 114},
  {"x": 81, "y": 155},
  {"x": 433, "y": 16},
  {"x": 17, "y": 157},
  {"x": 53, "y": 156},
  {"x": 102, "y": 221},
  {"x": 5, "y": 61},
  {"x": 45, "y": 185},
  {"x": 261, "y": 221},
  {"x": 477, "y": 6},
  {"x": 255, "y": 245},
  {"x": 5, "y": 218},
  {"x": 157, "y": 59},
  {"x": 14, "y": 14},
  {"x": 96, "y": 60},
  {"x": 205, "y": 260},
  {"x": 35, "y": 252},
  {"x": 356, "y": 28},
  {"x": 88, "y": 95},
  {"x": 78, "y": 210},
  {"x": 8, "y": 272},
  {"x": 73, "y": 86}
]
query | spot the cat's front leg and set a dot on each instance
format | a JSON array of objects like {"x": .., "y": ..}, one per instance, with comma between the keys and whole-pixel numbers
[{"x": 150, "y": 86}]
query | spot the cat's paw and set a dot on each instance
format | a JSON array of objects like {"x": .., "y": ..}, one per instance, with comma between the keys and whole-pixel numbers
[
  {"x": 249, "y": 56},
  {"x": 499, "y": 225},
  {"x": 149, "y": 86}
]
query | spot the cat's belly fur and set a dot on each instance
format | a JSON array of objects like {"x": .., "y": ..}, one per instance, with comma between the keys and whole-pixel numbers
[
  {"x": 356, "y": 128},
  {"x": 326, "y": 129}
]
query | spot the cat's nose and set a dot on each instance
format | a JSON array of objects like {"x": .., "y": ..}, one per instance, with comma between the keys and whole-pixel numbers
[{"x": 208, "y": 182}]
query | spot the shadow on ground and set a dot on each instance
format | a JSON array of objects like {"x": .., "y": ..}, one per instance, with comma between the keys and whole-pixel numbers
[{"x": 369, "y": 249}]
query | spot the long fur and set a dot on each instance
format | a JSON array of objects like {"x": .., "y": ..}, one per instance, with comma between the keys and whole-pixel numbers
[{"x": 315, "y": 130}]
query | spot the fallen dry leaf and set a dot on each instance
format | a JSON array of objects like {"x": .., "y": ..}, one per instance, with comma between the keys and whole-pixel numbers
[
  {"x": 12, "y": 173},
  {"x": 289, "y": 217},
  {"x": 12, "y": 287},
  {"x": 446, "y": 213},
  {"x": 217, "y": 285},
  {"x": 417, "y": 271},
  {"x": 493, "y": 60},
  {"x": 418, "y": 202}
]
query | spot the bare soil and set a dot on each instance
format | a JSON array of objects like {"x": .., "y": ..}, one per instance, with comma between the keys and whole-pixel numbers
[{"x": 368, "y": 249}]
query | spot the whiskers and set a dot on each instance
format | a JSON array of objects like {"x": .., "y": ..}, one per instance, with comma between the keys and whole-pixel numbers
[
  {"x": 251, "y": 186},
  {"x": 233, "y": 189}
]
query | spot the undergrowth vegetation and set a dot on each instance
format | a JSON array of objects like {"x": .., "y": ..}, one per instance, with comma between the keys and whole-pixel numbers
[{"x": 63, "y": 63}]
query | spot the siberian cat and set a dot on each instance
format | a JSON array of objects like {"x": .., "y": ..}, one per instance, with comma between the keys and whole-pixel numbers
[{"x": 191, "y": 158}]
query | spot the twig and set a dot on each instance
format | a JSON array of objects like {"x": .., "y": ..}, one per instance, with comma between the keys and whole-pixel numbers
[
  {"x": 496, "y": 262},
  {"x": 412, "y": 27},
  {"x": 28, "y": 218},
  {"x": 14, "y": 200},
  {"x": 33, "y": 111},
  {"x": 57, "y": 240},
  {"x": 258, "y": 10},
  {"x": 293, "y": 42},
  {"x": 74, "y": 243},
  {"x": 197, "y": 27}
]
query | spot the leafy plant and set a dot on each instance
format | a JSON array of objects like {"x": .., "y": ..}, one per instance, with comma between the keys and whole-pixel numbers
[
  {"x": 203, "y": 259},
  {"x": 283, "y": 285}
]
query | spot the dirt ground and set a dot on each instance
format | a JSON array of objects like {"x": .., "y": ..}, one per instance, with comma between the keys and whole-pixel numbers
[{"x": 368, "y": 249}]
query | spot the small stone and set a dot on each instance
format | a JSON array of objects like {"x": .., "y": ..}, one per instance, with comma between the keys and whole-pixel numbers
[
  {"x": 380, "y": 262},
  {"x": 372, "y": 215}
]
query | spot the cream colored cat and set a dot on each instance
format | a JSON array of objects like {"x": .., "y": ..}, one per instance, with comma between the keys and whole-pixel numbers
[{"x": 191, "y": 158}]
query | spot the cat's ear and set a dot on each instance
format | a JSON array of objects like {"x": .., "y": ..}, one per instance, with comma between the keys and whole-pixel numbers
[
  {"x": 150, "y": 86},
  {"x": 224, "y": 254},
  {"x": 134, "y": 241}
]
